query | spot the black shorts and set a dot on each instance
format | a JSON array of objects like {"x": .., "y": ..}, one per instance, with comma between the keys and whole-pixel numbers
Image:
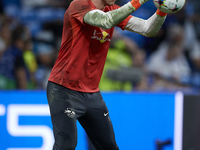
[{"x": 67, "y": 106}]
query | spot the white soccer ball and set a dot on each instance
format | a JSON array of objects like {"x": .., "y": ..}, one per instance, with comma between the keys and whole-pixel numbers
[{"x": 169, "y": 6}]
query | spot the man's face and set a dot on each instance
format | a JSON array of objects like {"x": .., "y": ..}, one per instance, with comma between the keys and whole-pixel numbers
[{"x": 109, "y": 2}]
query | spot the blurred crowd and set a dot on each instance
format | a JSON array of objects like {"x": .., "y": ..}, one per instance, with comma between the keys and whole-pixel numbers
[{"x": 30, "y": 38}]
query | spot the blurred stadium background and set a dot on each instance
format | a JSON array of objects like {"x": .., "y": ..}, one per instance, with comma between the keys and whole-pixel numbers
[{"x": 159, "y": 78}]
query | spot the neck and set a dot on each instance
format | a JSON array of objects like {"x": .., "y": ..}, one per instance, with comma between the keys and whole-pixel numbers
[{"x": 99, "y": 4}]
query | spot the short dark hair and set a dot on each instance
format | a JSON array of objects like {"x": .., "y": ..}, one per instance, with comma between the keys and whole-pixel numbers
[{"x": 18, "y": 33}]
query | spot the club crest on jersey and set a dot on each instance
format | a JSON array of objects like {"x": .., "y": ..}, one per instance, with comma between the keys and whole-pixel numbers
[
  {"x": 70, "y": 112},
  {"x": 101, "y": 36}
]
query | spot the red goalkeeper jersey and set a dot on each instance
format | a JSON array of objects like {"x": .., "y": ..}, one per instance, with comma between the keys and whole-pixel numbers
[{"x": 83, "y": 50}]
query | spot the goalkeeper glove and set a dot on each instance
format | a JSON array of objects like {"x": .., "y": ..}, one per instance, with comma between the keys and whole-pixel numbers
[{"x": 137, "y": 3}]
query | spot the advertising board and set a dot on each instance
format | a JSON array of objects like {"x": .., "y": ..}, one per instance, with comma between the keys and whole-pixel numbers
[{"x": 140, "y": 120}]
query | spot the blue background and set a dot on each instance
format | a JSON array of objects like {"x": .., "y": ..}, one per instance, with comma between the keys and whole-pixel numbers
[{"x": 139, "y": 119}]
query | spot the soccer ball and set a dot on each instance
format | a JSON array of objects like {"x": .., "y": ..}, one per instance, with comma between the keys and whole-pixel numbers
[{"x": 169, "y": 6}]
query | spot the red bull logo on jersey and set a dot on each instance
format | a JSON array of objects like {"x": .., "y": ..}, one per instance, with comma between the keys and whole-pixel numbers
[{"x": 101, "y": 36}]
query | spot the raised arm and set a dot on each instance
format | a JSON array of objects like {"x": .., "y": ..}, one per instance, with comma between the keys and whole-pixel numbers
[
  {"x": 110, "y": 19},
  {"x": 148, "y": 28}
]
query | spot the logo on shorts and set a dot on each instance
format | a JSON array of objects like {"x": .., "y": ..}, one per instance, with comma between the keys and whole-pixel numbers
[
  {"x": 106, "y": 114},
  {"x": 70, "y": 112}
]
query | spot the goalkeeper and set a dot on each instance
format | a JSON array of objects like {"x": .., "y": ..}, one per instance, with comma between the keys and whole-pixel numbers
[{"x": 72, "y": 90}]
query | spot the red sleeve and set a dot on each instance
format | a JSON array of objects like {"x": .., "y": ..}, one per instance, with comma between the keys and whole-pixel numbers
[
  {"x": 79, "y": 8},
  {"x": 122, "y": 24}
]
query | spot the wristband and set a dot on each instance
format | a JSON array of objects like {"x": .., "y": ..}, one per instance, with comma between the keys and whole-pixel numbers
[
  {"x": 160, "y": 13},
  {"x": 136, "y": 4}
]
